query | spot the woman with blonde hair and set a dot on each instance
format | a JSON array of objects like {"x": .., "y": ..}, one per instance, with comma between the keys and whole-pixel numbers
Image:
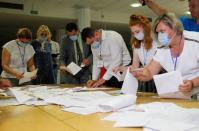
[
  {"x": 143, "y": 46},
  {"x": 17, "y": 57},
  {"x": 43, "y": 59},
  {"x": 179, "y": 46}
]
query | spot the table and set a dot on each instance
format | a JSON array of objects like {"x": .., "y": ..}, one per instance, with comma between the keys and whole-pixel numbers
[{"x": 51, "y": 118}]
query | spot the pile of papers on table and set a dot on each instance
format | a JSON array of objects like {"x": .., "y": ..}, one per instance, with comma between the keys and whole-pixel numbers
[
  {"x": 157, "y": 116},
  {"x": 77, "y": 100}
]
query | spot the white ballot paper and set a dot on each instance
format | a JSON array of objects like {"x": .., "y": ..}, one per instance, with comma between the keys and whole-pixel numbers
[
  {"x": 130, "y": 84},
  {"x": 117, "y": 102},
  {"x": 167, "y": 85},
  {"x": 20, "y": 95},
  {"x": 27, "y": 76},
  {"x": 72, "y": 68}
]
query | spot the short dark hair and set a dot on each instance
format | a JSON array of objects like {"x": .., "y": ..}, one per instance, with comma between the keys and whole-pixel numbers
[
  {"x": 24, "y": 33},
  {"x": 71, "y": 26},
  {"x": 87, "y": 33}
]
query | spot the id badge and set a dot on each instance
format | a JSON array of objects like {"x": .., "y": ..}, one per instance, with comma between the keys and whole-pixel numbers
[{"x": 100, "y": 63}]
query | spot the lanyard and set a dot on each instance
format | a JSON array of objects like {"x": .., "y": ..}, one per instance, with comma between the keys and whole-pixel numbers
[
  {"x": 100, "y": 51},
  {"x": 22, "y": 55},
  {"x": 145, "y": 55},
  {"x": 100, "y": 43},
  {"x": 176, "y": 59}
]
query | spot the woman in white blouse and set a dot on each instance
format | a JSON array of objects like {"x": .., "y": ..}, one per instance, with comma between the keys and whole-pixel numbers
[
  {"x": 143, "y": 46},
  {"x": 17, "y": 57},
  {"x": 180, "y": 53}
]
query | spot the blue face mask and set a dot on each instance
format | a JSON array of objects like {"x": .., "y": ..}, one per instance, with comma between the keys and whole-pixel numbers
[
  {"x": 164, "y": 39},
  {"x": 139, "y": 36},
  {"x": 96, "y": 44},
  {"x": 23, "y": 44},
  {"x": 73, "y": 37}
]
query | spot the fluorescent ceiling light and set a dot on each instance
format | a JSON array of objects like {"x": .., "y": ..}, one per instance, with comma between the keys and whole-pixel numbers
[{"x": 136, "y": 5}]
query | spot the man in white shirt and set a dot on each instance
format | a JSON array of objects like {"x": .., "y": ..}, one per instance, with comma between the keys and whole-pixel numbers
[{"x": 109, "y": 51}]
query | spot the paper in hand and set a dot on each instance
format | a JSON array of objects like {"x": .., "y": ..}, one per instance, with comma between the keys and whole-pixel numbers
[
  {"x": 27, "y": 76},
  {"x": 73, "y": 68},
  {"x": 167, "y": 85},
  {"x": 130, "y": 84}
]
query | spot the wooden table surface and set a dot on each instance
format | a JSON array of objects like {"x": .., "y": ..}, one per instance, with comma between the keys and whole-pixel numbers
[{"x": 51, "y": 118}]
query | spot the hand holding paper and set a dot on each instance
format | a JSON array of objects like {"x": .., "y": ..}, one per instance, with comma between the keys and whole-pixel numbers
[
  {"x": 130, "y": 84},
  {"x": 71, "y": 68},
  {"x": 27, "y": 76},
  {"x": 167, "y": 85}
]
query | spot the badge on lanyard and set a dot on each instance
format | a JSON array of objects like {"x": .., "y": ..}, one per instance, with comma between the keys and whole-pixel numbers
[{"x": 100, "y": 63}]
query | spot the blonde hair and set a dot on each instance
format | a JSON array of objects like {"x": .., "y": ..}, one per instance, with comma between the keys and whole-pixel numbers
[
  {"x": 44, "y": 29},
  {"x": 144, "y": 22},
  {"x": 170, "y": 20}
]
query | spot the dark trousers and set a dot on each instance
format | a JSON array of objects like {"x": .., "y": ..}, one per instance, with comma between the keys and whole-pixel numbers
[{"x": 113, "y": 82}]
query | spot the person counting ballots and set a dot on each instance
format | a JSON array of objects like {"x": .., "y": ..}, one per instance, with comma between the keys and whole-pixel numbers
[
  {"x": 109, "y": 51},
  {"x": 180, "y": 52},
  {"x": 17, "y": 57},
  {"x": 144, "y": 48}
]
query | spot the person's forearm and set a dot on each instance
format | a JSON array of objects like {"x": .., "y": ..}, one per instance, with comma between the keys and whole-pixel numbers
[
  {"x": 9, "y": 70},
  {"x": 30, "y": 64},
  {"x": 195, "y": 82},
  {"x": 31, "y": 68},
  {"x": 146, "y": 75},
  {"x": 156, "y": 8}
]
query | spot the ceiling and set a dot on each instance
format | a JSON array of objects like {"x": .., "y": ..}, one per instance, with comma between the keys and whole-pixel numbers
[
  {"x": 13, "y": 21},
  {"x": 104, "y": 6},
  {"x": 123, "y": 6}
]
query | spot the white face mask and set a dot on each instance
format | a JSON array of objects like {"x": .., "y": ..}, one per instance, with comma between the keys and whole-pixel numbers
[
  {"x": 42, "y": 39},
  {"x": 139, "y": 36}
]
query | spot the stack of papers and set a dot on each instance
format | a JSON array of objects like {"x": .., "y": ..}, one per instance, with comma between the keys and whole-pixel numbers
[
  {"x": 152, "y": 119},
  {"x": 79, "y": 100},
  {"x": 167, "y": 85},
  {"x": 91, "y": 102},
  {"x": 117, "y": 102}
]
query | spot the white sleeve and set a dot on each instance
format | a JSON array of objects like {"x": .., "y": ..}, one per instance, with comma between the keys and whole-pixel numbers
[
  {"x": 116, "y": 56},
  {"x": 9, "y": 46},
  {"x": 158, "y": 56},
  {"x": 96, "y": 70}
]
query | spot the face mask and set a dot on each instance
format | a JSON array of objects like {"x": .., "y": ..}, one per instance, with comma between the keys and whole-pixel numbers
[
  {"x": 139, "y": 36},
  {"x": 73, "y": 37},
  {"x": 23, "y": 44},
  {"x": 42, "y": 39},
  {"x": 96, "y": 42},
  {"x": 164, "y": 39}
]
